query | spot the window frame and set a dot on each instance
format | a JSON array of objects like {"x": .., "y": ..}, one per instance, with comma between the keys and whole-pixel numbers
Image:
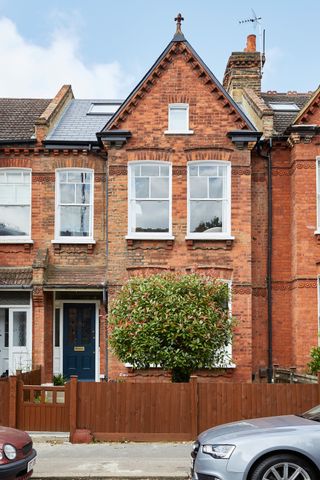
[
  {"x": 92, "y": 111},
  {"x": 148, "y": 235},
  {"x": 73, "y": 239},
  {"x": 226, "y": 233},
  {"x": 20, "y": 238},
  {"x": 178, "y": 106}
]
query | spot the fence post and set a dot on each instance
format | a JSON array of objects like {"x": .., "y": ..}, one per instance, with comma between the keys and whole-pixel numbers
[
  {"x": 12, "y": 401},
  {"x": 73, "y": 393},
  {"x": 194, "y": 405}
]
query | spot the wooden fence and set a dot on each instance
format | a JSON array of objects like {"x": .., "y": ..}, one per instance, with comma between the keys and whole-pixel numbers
[
  {"x": 30, "y": 378},
  {"x": 4, "y": 401},
  {"x": 42, "y": 408},
  {"x": 146, "y": 411}
]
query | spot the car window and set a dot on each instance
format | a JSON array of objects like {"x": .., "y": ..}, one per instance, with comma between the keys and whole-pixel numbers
[{"x": 312, "y": 414}]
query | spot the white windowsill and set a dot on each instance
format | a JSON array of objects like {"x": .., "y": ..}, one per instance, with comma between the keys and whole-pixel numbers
[
  {"x": 7, "y": 240},
  {"x": 224, "y": 365},
  {"x": 153, "y": 365},
  {"x": 70, "y": 240},
  {"x": 317, "y": 232},
  {"x": 209, "y": 237},
  {"x": 184, "y": 132},
  {"x": 149, "y": 237}
]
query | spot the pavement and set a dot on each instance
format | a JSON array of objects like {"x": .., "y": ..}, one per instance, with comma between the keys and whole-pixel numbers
[{"x": 59, "y": 459}]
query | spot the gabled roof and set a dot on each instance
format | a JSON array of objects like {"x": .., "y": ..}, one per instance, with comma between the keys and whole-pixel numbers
[
  {"x": 178, "y": 45},
  {"x": 17, "y": 117},
  {"x": 307, "y": 110},
  {"x": 282, "y": 119}
]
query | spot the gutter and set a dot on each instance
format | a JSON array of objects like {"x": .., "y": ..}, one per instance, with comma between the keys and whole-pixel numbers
[
  {"x": 75, "y": 144},
  {"x": 16, "y": 287},
  {"x": 18, "y": 142},
  {"x": 98, "y": 287},
  {"x": 268, "y": 157}
]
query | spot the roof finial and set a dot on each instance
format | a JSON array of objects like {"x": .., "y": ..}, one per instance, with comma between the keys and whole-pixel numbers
[{"x": 179, "y": 18}]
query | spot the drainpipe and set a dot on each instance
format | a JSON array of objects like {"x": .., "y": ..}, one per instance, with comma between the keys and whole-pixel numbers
[
  {"x": 268, "y": 157},
  {"x": 105, "y": 301},
  {"x": 104, "y": 156}
]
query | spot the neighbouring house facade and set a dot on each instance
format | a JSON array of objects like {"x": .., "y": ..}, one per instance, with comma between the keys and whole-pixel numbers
[{"x": 185, "y": 175}]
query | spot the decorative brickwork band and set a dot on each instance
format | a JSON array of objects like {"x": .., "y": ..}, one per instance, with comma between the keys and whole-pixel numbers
[
  {"x": 43, "y": 178},
  {"x": 237, "y": 171},
  {"x": 298, "y": 165},
  {"x": 305, "y": 165},
  {"x": 305, "y": 284},
  {"x": 298, "y": 283},
  {"x": 118, "y": 170},
  {"x": 100, "y": 178},
  {"x": 281, "y": 172},
  {"x": 281, "y": 286},
  {"x": 179, "y": 170},
  {"x": 242, "y": 289}
]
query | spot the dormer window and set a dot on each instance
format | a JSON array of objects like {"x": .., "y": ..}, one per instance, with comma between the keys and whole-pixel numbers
[{"x": 178, "y": 118}]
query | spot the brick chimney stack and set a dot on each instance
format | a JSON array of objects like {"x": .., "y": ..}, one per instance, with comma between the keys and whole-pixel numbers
[{"x": 244, "y": 69}]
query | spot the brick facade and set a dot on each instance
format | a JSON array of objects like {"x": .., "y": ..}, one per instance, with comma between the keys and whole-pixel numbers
[
  {"x": 211, "y": 121},
  {"x": 95, "y": 271},
  {"x": 76, "y": 257}
]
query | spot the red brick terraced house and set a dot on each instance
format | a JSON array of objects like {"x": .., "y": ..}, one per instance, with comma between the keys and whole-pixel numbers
[{"x": 185, "y": 175}]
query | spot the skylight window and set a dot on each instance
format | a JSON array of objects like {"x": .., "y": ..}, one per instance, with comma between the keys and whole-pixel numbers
[
  {"x": 103, "y": 108},
  {"x": 284, "y": 107}
]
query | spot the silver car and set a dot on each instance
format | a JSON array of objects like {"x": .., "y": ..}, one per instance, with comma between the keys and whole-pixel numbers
[{"x": 271, "y": 448}]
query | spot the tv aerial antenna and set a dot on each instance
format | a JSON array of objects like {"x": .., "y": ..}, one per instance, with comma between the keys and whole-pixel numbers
[
  {"x": 261, "y": 34},
  {"x": 254, "y": 19}
]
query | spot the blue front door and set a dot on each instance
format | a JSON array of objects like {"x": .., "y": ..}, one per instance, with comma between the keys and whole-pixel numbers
[{"x": 79, "y": 340}]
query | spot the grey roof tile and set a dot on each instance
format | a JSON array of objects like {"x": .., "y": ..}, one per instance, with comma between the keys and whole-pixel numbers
[
  {"x": 282, "y": 119},
  {"x": 75, "y": 124}
]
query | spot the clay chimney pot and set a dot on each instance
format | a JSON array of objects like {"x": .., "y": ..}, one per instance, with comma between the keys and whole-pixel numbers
[{"x": 251, "y": 43}]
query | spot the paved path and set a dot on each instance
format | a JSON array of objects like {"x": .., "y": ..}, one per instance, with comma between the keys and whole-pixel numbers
[{"x": 58, "y": 460}]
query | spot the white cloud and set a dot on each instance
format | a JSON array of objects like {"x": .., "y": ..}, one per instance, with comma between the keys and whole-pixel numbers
[{"x": 30, "y": 70}]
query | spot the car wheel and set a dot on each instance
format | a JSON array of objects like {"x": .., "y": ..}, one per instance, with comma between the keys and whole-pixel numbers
[{"x": 283, "y": 467}]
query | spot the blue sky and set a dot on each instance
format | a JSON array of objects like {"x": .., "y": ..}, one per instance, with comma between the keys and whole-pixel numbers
[{"x": 104, "y": 47}]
